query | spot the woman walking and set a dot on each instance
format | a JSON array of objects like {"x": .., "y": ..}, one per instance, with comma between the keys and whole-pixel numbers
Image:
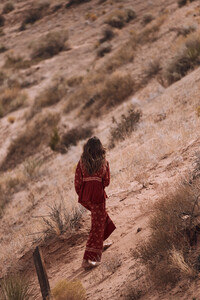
[{"x": 91, "y": 177}]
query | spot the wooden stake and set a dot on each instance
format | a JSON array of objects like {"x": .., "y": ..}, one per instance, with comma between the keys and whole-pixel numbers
[{"x": 41, "y": 274}]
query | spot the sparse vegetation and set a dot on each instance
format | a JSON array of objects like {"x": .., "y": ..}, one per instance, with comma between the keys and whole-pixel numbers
[
  {"x": 181, "y": 2},
  {"x": 186, "y": 58},
  {"x": 61, "y": 219},
  {"x": 152, "y": 69},
  {"x": 75, "y": 2},
  {"x": 2, "y": 21},
  {"x": 36, "y": 134},
  {"x": 8, "y": 7},
  {"x": 73, "y": 136},
  {"x": 3, "y": 48},
  {"x": 55, "y": 139},
  {"x": 119, "y": 18},
  {"x": 167, "y": 254},
  {"x": 11, "y": 99},
  {"x": 32, "y": 168},
  {"x": 35, "y": 13},
  {"x": 125, "y": 127},
  {"x": 184, "y": 31},
  {"x": 147, "y": 19},
  {"x": 15, "y": 287},
  {"x": 69, "y": 290},
  {"x": 16, "y": 62},
  {"x": 104, "y": 49},
  {"x": 107, "y": 35},
  {"x": 50, "y": 45}
]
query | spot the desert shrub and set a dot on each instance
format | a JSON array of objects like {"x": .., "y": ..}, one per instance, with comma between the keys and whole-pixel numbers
[
  {"x": 184, "y": 31},
  {"x": 119, "y": 18},
  {"x": 147, "y": 18},
  {"x": 166, "y": 253},
  {"x": 116, "y": 89},
  {"x": 181, "y": 2},
  {"x": 8, "y": 7},
  {"x": 107, "y": 35},
  {"x": 16, "y": 62},
  {"x": 198, "y": 111},
  {"x": 2, "y": 21},
  {"x": 2, "y": 77},
  {"x": 73, "y": 136},
  {"x": 16, "y": 287},
  {"x": 11, "y": 119},
  {"x": 74, "y": 81},
  {"x": 186, "y": 58},
  {"x": 50, "y": 45},
  {"x": 125, "y": 127},
  {"x": 122, "y": 56},
  {"x": 12, "y": 99},
  {"x": 104, "y": 49},
  {"x": 69, "y": 290},
  {"x": 32, "y": 168},
  {"x": 152, "y": 69},
  {"x": 35, "y": 13},
  {"x": 91, "y": 16},
  {"x": 75, "y": 2},
  {"x": 54, "y": 140},
  {"x": 60, "y": 219},
  {"x": 3, "y": 48},
  {"x": 36, "y": 134},
  {"x": 50, "y": 95}
]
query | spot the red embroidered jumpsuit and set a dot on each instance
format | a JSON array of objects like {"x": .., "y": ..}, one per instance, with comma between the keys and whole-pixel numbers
[{"x": 90, "y": 189}]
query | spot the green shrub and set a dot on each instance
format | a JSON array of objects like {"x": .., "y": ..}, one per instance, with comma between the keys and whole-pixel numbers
[
  {"x": 186, "y": 59},
  {"x": 16, "y": 287},
  {"x": 50, "y": 45},
  {"x": 125, "y": 127},
  {"x": 8, "y": 7}
]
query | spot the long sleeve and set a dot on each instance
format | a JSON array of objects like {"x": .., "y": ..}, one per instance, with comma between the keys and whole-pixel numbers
[
  {"x": 78, "y": 179},
  {"x": 106, "y": 178}
]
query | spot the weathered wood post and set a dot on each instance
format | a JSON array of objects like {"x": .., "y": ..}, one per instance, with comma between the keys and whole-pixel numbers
[{"x": 41, "y": 274}]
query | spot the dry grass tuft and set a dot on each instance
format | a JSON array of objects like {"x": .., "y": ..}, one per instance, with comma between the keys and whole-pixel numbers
[
  {"x": 147, "y": 18},
  {"x": 107, "y": 35},
  {"x": 16, "y": 62},
  {"x": 75, "y": 2},
  {"x": 2, "y": 21},
  {"x": 104, "y": 49},
  {"x": 61, "y": 219},
  {"x": 69, "y": 290},
  {"x": 15, "y": 287},
  {"x": 166, "y": 254},
  {"x": 125, "y": 127},
  {"x": 50, "y": 45},
  {"x": 8, "y": 7},
  {"x": 186, "y": 58},
  {"x": 35, "y": 13},
  {"x": 73, "y": 136},
  {"x": 119, "y": 18},
  {"x": 152, "y": 69},
  {"x": 12, "y": 99},
  {"x": 35, "y": 136}
]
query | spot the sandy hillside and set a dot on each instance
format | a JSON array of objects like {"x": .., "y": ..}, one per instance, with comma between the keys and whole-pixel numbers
[{"x": 80, "y": 81}]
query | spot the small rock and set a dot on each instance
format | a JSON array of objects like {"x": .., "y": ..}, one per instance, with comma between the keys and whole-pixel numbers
[{"x": 139, "y": 229}]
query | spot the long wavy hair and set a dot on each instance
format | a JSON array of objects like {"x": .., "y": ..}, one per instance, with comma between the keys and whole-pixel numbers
[{"x": 93, "y": 156}]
